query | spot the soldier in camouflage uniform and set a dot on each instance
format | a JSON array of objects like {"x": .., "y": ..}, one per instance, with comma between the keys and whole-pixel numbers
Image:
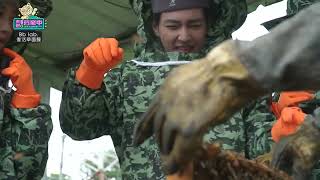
[
  {"x": 235, "y": 73},
  {"x": 25, "y": 124},
  {"x": 114, "y": 107}
]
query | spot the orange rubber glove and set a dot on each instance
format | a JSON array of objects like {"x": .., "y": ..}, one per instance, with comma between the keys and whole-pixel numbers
[
  {"x": 290, "y": 120},
  {"x": 21, "y": 76},
  {"x": 289, "y": 99},
  {"x": 99, "y": 57},
  {"x": 289, "y": 115}
]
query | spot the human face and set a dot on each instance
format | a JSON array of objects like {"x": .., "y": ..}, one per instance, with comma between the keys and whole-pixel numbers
[
  {"x": 6, "y": 16},
  {"x": 182, "y": 30}
]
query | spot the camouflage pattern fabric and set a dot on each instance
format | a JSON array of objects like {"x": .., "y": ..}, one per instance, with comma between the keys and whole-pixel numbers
[
  {"x": 24, "y": 136},
  {"x": 294, "y": 6},
  {"x": 128, "y": 89},
  {"x": 249, "y": 130},
  {"x": 24, "y": 133}
]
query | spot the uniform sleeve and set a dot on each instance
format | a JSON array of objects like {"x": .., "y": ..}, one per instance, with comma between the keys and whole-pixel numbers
[
  {"x": 87, "y": 114},
  {"x": 287, "y": 57},
  {"x": 258, "y": 121},
  {"x": 27, "y": 156}
]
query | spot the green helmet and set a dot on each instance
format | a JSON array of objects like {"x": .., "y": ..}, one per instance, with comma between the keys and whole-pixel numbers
[{"x": 293, "y": 7}]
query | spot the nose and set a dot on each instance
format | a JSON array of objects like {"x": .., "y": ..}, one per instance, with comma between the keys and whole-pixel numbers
[{"x": 184, "y": 35}]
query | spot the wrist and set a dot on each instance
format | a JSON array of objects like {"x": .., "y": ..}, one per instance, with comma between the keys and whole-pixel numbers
[
  {"x": 27, "y": 91},
  {"x": 90, "y": 77},
  {"x": 25, "y": 101}
]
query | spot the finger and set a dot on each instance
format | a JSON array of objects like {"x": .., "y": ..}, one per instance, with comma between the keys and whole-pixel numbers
[
  {"x": 86, "y": 51},
  {"x": 281, "y": 158},
  {"x": 169, "y": 134},
  {"x": 144, "y": 127},
  {"x": 120, "y": 54},
  {"x": 158, "y": 126},
  {"x": 10, "y": 53},
  {"x": 16, "y": 62},
  {"x": 105, "y": 48},
  {"x": 89, "y": 52},
  {"x": 176, "y": 161},
  {"x": 94, "y": 51},
  {"x": 10, "y": 71},
  {"x": 170, "y": 166},
  {"x": 114, "y": 47},
  {"x": 98, "y": 51}
]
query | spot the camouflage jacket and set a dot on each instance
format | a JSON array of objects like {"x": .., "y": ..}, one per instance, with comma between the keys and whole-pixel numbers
[
  {"x": 128, "y": 89},
  {"x": 24, "y": 136}
]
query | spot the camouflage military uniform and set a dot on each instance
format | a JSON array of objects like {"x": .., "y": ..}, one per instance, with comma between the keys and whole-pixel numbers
[
  {"x": 128, "y": 89},
  {"x": 24, "y": 136}
]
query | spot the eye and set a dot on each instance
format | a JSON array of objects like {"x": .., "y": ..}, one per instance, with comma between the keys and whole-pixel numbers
[
  {"x": 172, "y": 27},
  {"x": 195, "y": 26}
]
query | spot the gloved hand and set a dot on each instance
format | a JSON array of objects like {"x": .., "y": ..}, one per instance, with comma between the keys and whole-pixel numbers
[
  {"x": 298, "y": 153},
  {"x": 289, "y": 115},
  {"x": 21, "y": 76},
  {"x": 288, "y": 123},
  {"x": 100, "y": 56},
  {"x": 289, "y": 99},
  {"x": 194, "y": 96}
]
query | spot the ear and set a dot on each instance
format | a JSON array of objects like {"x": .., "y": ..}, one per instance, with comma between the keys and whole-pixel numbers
[{"x": 155, "y": 28}]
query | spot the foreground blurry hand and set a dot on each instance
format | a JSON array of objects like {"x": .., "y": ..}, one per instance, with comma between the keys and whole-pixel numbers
[{"x": 194, "y": 96}]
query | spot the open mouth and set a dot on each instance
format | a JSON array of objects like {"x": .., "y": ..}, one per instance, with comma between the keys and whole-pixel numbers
[{"x": 184, "y": 49}]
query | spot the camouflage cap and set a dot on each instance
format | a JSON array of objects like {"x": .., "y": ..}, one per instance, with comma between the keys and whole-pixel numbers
[
  {"x": 159, "y": 6},
  {"x": 293, "y": 7}
]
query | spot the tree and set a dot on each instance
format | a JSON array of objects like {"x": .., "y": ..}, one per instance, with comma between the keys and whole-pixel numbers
[{"x": 101, "y": 167}]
